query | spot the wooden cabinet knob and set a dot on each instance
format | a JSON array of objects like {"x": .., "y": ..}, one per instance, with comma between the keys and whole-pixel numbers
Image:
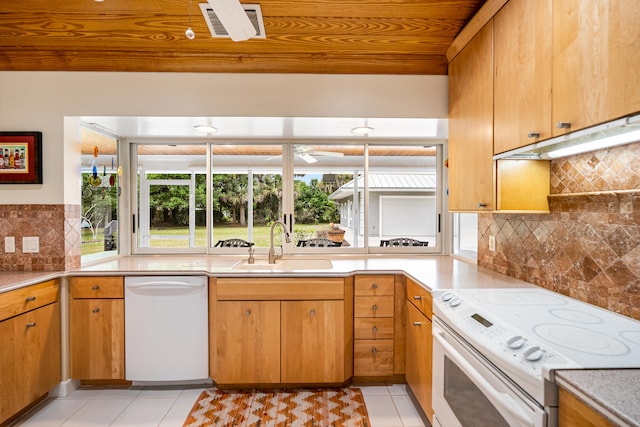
[
  {"x": 312, "y": 312},
  {"x": 30, "y": 298},
  {"x": 374, "y": 286},
  {"x": 374, "y": 350},
  {"x": 95, "y": 310},
  {"x": 374, "y": 307},
  {"x": 375, "y": 329}
]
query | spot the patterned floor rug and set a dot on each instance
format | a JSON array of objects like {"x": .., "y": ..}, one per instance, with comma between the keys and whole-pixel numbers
[{"x": 337, "y": 407}]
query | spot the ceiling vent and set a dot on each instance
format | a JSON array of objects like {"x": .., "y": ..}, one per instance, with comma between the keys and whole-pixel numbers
[{"x": 253, "y": 11}]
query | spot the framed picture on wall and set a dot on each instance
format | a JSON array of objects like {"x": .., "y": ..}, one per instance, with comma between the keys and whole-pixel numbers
[{"x": 20, "y": 157}]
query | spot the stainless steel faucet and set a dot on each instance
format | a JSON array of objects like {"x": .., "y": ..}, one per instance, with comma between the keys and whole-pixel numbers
[{"x": 272, "y": 252}]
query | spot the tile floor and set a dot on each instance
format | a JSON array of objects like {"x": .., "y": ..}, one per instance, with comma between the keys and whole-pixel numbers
[{"x": 388, "y": 406}]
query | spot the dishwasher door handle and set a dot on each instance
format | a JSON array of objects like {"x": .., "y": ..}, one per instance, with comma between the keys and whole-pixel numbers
[{"x": 165, "y": 288}]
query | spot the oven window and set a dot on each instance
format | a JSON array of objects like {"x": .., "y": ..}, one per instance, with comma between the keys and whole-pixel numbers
[{"x": 467, "y": 402}]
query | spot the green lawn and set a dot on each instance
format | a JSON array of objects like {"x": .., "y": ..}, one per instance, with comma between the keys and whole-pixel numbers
[{"x": 178, "y": 237}]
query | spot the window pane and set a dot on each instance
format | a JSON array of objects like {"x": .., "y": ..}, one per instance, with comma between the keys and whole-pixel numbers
[
  {"x": 324, "y": 194},
  {"x": 171, "y": 196},
  {"x": 403, "y": 208},
  {"x": 465, "y": 235},
  {"x": 99, "y": 194},
  {"x": 246, "y": 194}
]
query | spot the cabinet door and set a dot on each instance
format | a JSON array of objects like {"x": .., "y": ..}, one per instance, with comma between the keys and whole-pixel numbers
[
  {"x": 522, "y": 49},
  {"x": 471, "y": 171},
  {"x": 248, "y": 342},
  {"x": 96, "y": 338},
  {"x": 29, "y": 358},
  {"x": 595, "y": 61},
  {"x": 313, "y": 342},
  {"x": 419, "y": 358}
]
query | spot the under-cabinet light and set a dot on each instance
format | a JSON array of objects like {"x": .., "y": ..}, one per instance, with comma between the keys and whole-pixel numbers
[{"x": 598, "y": 144}]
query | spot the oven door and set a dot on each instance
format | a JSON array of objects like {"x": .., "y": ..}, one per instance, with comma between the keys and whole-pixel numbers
[{"x": 469, "y": 391}]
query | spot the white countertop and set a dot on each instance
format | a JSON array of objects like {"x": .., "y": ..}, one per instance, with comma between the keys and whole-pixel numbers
[{"x": 433, "y": 272}]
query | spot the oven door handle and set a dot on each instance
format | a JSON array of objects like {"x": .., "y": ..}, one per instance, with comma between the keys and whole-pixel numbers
[{"x": 506, "y": 402}]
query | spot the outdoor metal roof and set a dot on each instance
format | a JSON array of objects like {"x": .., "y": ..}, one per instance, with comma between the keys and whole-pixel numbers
[{"x": 390, "y": 182}]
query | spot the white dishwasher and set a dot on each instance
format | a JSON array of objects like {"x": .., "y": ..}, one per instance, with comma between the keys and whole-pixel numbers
[{"x": 166, "y": 329}]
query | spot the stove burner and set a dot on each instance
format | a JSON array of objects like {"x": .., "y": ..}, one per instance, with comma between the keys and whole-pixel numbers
[
  {"x": 575, "y": 316},
  {"x": 633, "y": 336},
  {"x": 581, "y": 339},
  {"x": 519, "y": 298}
]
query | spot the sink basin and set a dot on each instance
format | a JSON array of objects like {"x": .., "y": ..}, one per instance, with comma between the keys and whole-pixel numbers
[{"x": 285, "y": 264}]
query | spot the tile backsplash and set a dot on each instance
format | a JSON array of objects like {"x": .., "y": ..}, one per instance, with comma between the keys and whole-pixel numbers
[
  {"x": 57, "y": 228},
  {"x": 588, "y": 246}
]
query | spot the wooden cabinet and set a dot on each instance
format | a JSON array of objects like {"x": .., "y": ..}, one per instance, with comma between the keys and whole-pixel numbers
[
  {"x": 522, "y": 83},
  {"x": 248, "y": 342},
  {"x": 374, "y": 331},
  {"x": 471, "y": 170},
  {"x": 281, "y": 330},
  {"x": 30, "y": 350},
  {"x": 572, "y": 412},
  {"x": 595, "y": 61},
  {"x": 419, "y": 346},
  {"x": 96, "y": 328}
]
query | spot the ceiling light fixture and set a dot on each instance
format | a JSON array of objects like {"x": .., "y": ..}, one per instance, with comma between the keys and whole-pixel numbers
[
  {"x": 234, "y": 19},
  {"x": 208, "y": 129},
  {"x": 362, "y": 130},
  {"x": 189, "y": 33}
]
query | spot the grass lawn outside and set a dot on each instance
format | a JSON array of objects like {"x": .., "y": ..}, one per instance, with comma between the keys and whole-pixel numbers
[{"x": 178, "y": 237}]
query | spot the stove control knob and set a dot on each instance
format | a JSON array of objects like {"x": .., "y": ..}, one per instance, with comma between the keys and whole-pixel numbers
[
  {"x": 515, "y": 342},
  {"x": 447, "y": 296},
  {"x": 455, "y": 301},
  {"x": 533, "y": 353}
]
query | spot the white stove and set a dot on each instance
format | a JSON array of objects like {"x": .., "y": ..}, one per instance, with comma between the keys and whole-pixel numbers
[{"x": 528, "y": 333}]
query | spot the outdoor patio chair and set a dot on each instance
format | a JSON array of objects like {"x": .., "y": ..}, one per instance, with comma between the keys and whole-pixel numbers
[
  {"x": 403, "y": 241},
  {"x": 318, "y": 242},
  {"x": 233, "y": 243}
]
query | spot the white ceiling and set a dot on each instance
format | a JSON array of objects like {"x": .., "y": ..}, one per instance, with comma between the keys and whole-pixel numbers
[{"x": 268, "y": 128}]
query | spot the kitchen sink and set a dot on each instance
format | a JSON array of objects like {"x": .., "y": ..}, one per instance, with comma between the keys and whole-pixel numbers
[{"x": 288, "y": 264}]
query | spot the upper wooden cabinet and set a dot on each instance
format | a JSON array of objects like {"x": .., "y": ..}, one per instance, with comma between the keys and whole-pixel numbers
[
  {"x": 596, "y": 57},
  {"x": 471, "y": 171},
  {"x": 522, "y": 84}
]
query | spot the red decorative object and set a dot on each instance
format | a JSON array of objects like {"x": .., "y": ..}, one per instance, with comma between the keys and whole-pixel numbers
[{"x": 21, "y": 158}]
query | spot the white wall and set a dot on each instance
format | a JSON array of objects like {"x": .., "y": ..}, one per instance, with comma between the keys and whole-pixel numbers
[{"x": 39, "y": 101}]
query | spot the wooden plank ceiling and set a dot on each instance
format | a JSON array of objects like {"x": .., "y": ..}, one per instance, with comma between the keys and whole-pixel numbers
[{"x": 302, "y": 36}]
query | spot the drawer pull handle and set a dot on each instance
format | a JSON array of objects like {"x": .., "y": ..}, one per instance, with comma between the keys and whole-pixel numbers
[
  {"x": 312, "y": 312},
  {"x": 95, "y": 310},
  {"x": 248, "y": 313},
  {"x": 30, "y": 298},
  {"x": 31, "y": 325},
  {"x": 375, "y": 329},
  {"x": 374, "y": 307},
  {"x": 533, "y": 135},
  {"x": 417, "y": 323},
  {"x": 563, "y": 125},
  {"x": 374, "y": 350},
  {"x": 95, "y": 287},
  {"x": 417, "y": 297},
  {"x": 374, "y": 286}
]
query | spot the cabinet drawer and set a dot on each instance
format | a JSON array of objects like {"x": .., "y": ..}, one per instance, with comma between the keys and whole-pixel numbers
[
  {"x": 276, "y": 289},
  {"x": 97, "y": 287},
  {"x": 374, "y": 306},
  {"x": 373, "y": 328},
  {"x": 373, "y": 357},
  {"x": 420, "y": 297},
  {"x": 28, "y": 298},
  {"x": 374, "y": 285}
]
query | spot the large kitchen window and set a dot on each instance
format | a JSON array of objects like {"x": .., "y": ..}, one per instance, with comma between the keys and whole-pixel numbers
[
  {"x": 333, "y": 198},
  {"x": 99, "y": 203}
]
